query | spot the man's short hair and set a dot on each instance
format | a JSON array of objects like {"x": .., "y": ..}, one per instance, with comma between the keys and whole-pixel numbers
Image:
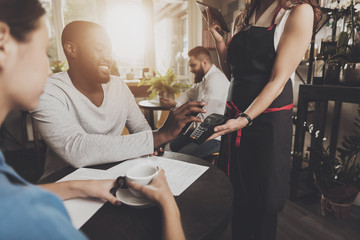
[
  {"x": 77, "y": 30},
  {"x": 200, "y": 53}
]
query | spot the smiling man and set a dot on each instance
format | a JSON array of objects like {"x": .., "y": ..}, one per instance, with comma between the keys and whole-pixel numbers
[{"x": 83, "y": 111}]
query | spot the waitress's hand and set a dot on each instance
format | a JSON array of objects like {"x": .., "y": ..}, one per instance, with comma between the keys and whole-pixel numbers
[
  {"x": 230, "y": 126},
  {"x": 214, "y": 27}
]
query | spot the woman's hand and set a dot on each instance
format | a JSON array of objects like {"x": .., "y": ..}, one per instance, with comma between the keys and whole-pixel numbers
[
  {"x": 214, "y": 27},
  {"x": 83, "y": 188},
  {"x": 230, "y": 126},
  {"x": 98, "y": 189},
  {"x": 158, "y": 190}
]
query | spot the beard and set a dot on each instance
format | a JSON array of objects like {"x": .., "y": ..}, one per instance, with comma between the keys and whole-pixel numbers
[{"x": 199, "y": 75}]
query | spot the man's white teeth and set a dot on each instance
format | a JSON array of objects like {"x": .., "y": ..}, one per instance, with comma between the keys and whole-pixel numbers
[{"x": 104, "y": 67}]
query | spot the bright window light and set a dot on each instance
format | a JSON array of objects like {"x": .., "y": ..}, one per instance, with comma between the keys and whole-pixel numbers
[{"x": 125, "y": 25}]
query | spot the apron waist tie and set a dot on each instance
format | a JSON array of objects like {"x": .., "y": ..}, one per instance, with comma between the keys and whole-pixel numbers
[{"x": 234, "y": 113}]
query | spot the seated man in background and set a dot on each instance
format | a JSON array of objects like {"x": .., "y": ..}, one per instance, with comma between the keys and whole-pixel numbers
[
  {"x": 211, "y": 86},
  {"x": 83, "y": 111}
]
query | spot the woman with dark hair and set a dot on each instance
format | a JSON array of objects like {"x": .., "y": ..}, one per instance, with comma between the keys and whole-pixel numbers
[
  {"x": 269, "y": 40},
  {"x": 32, "y": 212}
]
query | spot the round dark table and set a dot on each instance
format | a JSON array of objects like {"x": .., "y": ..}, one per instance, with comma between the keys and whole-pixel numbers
[
  {"x": 149, "y": 109},
  {"x": 205, "y": 207}
]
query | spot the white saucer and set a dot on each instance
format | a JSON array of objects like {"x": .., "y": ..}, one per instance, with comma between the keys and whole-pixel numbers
[{"x": 127, "y": 198}]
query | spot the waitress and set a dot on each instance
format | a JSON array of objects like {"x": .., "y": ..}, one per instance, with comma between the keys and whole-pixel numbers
[{"x": 270, "y": 38}]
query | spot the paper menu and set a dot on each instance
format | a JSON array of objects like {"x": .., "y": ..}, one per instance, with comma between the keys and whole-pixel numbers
[
  {"x": 180, "y": 175},
  {"x": 81, "y": 209}
]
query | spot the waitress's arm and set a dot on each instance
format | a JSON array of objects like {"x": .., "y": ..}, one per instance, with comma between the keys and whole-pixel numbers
[
  {"x": 292, "y": 46},
  {"x": 221, "y": 50},
  {"x": 220, "y": 45}
]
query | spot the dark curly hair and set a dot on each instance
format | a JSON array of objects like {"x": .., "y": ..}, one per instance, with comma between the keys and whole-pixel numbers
[
  {"x": 243, "y": 19},
  {"x": 21, "y": 16}
]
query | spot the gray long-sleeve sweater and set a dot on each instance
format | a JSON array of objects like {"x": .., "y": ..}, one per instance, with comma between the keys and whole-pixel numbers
[{"x": 78, "y": 133}]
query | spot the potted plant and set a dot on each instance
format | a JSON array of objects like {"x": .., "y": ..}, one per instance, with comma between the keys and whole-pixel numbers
[
  {"x": 164, "y": 85},
  {"x": 343, "y": 67},
  {"x": 338, "y": 179},
  {"x": 352, "y": 69}
]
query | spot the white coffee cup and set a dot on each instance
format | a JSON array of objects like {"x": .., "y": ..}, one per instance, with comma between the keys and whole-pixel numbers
[{"x": 141, "y": 174}]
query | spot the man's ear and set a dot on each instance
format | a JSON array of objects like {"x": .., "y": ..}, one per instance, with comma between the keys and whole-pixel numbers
[
  {"x": 4, "y": 40},
  {"x": 70, "y": 49},
  {"x": 204, "y": 63}
]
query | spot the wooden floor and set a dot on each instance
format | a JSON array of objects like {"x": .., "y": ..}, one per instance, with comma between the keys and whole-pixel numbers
[{"x": 299, "y": 222}]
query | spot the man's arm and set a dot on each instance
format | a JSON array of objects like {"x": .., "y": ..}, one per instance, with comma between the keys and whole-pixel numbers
[
  {"x": 135, "y": 119},
  {"x": 63, "y": 133}
]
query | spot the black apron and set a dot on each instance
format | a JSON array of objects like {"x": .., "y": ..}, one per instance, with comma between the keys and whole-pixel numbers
[{"x": 259, "y": 167}]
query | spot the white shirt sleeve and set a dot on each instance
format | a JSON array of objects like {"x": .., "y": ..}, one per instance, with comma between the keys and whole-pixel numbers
[{"x": 215, "y": 93}]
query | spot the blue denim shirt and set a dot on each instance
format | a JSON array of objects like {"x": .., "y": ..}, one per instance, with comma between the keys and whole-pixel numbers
[{"x": 28, "y": 212}]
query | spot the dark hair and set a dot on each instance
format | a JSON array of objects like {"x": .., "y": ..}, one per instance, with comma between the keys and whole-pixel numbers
[
  {"x": 77, "y": 31},
  {"x": 200, "y": 51},
  {"x": 21, "y": 16},
  {"x": 243, "y": 19}
]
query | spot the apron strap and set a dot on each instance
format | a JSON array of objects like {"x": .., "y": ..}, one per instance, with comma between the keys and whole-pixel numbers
[
  {"x": 234, "y": 113},
  {"x": 273, "y": 21}
]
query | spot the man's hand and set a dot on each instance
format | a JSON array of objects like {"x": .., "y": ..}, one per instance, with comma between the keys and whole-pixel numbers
[
  {"x": 177, "y": 120},
  {"x": 167, "y": 102}
]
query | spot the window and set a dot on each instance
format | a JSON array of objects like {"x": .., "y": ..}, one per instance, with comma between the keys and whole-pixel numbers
[
  {"x": 128, "y": 23},
  {"x": 125, "y": 24},
  {"x": 52, "y": 52},
  {"x": 171, "y": 39},
  {"x": 79, "y": 10}
]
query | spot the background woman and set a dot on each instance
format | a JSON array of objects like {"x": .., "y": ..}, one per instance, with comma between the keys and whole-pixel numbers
[
  {"x": 270, "y": 38},
  {"x": 27, "y": 211}
]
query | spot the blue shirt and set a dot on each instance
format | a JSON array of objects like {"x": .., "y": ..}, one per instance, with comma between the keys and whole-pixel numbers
[{"x": 28, "y": 212}]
